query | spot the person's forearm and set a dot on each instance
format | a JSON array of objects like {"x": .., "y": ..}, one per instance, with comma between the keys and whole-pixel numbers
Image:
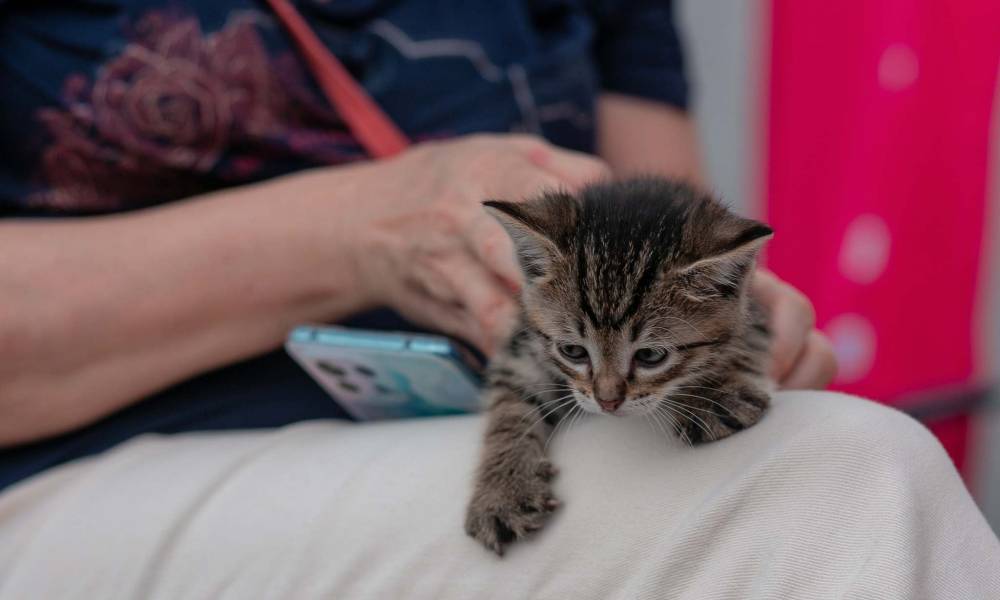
[
  {"x": 637, "y": 136},
  {"x": 99, "y": 312}
]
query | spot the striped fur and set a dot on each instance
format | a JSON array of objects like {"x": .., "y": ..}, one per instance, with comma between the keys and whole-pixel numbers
[{"x": 644, "y": 263}]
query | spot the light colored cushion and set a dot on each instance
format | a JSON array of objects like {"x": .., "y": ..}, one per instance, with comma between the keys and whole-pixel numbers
[{"x": 828, "y": 497}]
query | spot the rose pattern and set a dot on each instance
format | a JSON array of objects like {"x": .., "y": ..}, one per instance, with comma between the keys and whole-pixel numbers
[
  {"x": 178, "y": 112},
  {"x": 173, "y": 111}
]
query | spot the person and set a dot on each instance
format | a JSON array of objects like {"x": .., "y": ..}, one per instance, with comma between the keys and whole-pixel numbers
[{"x": 179, "y": 193}]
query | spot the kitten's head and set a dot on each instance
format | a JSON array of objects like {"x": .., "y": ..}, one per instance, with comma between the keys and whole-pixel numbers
[{"x": 632, "y": 285}]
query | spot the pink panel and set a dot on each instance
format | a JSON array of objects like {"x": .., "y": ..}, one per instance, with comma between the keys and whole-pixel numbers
[{"x": 878, "y": 132}]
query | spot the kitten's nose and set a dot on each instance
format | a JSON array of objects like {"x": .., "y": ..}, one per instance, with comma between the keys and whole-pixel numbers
[
  {"x": 609, "y": 391},
  {"x": 611, "y": 405}
]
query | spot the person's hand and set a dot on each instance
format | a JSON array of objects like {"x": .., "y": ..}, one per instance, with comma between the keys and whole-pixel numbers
[
  {"x": 423, "y": 243},
  {"x": 801, "y": 356}
]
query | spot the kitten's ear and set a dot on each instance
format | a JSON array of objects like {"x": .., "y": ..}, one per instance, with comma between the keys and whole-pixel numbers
[
  {"x": 726, "y": 259},
  {"x": 540, "y": 229}
]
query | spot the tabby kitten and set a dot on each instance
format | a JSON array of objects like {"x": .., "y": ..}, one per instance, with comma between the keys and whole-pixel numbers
[{"x": 635, "y": 304}]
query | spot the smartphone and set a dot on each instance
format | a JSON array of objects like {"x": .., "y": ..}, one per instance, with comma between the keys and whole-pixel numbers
[{"x": 388, "y": 375}]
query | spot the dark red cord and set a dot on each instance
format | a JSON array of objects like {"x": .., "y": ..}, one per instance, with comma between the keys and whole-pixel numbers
[{"x": 366, "y": 120}]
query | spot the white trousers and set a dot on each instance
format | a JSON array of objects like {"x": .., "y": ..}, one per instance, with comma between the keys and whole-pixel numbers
[{"x": 828, "y": 497}]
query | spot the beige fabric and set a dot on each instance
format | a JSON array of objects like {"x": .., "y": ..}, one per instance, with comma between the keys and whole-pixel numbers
[{"x": 828, "y": 497}]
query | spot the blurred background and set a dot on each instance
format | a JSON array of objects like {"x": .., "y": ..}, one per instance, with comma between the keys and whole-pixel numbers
[{"x": 868, "y": 135}]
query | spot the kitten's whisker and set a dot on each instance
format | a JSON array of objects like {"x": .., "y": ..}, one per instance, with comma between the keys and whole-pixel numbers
[
  {"x": 670, "y": 414},
  {"x": 540, "y": 408},
  {"x": 548, "y": 390},
  {"x": 690, "y": 407},
  {"x": 573, "y": 419},
  {"x": 542, "y": 391},
  {"x": 690, "y": 416},
  {"x": 556, "y": 428},
  {"x": 657, "y": 416},
  {"x": 554, "y": 400},
  {"x": 686, "y": 409},
  {"x": 683, "y": 433},
  {"x": 548, "y": 406},
  {"x": 581, "y": 415},
  {"x": 562, "y": 422},
  {"x": 649, "y": 421},
  {"x": 565, "y": 401},
  {"x": 701, "y": 387},
  {"x": 551, "y": 386},
  {"x": 546, "y": 383},
  {"x": 710, "y": 400}
]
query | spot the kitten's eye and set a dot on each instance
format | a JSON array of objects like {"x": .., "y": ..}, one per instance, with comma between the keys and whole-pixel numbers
[
  {"x": 650, "y": 357},
  {"x": 573, "y": 352}
]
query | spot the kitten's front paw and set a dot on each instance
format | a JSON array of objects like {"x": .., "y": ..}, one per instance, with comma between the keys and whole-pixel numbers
[
  {"x": 727, "y": 414},
  {"x": 506, "y": 509}
]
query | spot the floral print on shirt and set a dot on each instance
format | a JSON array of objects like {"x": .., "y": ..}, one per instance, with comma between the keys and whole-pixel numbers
[{"x": 178, "y": 112}]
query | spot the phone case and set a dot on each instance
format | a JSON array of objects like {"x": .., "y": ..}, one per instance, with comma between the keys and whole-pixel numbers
[{"x": 381, "y": 375}]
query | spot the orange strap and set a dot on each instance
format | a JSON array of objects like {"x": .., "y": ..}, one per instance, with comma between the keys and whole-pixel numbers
[{"x": 366, "y": 120}]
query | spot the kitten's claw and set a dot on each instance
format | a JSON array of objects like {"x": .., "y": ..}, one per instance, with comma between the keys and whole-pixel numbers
[
  {"x": 507, "y": 512},
  {"x": 547, "y": 470},
  {"x": 499, "y": 526}
]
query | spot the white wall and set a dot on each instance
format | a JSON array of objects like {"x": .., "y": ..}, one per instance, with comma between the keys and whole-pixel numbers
[{"x": 721, "y": 39}]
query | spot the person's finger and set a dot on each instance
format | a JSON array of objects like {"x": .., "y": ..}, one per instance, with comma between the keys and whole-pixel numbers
[
  {"x": 429, "y": 277},
  {"x": 451, "y": 319},
  {"x": 488, "y": 241},
  {"x": 535, "y": 181},
  {"x": 521, "y": 181},
  {"x": 573, "y": 169},
  {"x": 816, "y": 366},
  {"x": 488, "y": 302},
  {"x": 791, "y": 320}
]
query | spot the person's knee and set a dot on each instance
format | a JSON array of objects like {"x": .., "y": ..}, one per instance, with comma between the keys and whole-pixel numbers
[{"x": 837, "y": 428}]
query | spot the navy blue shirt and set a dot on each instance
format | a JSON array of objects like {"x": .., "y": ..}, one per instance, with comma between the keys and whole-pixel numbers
[{"x": 116, "y": 105}]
